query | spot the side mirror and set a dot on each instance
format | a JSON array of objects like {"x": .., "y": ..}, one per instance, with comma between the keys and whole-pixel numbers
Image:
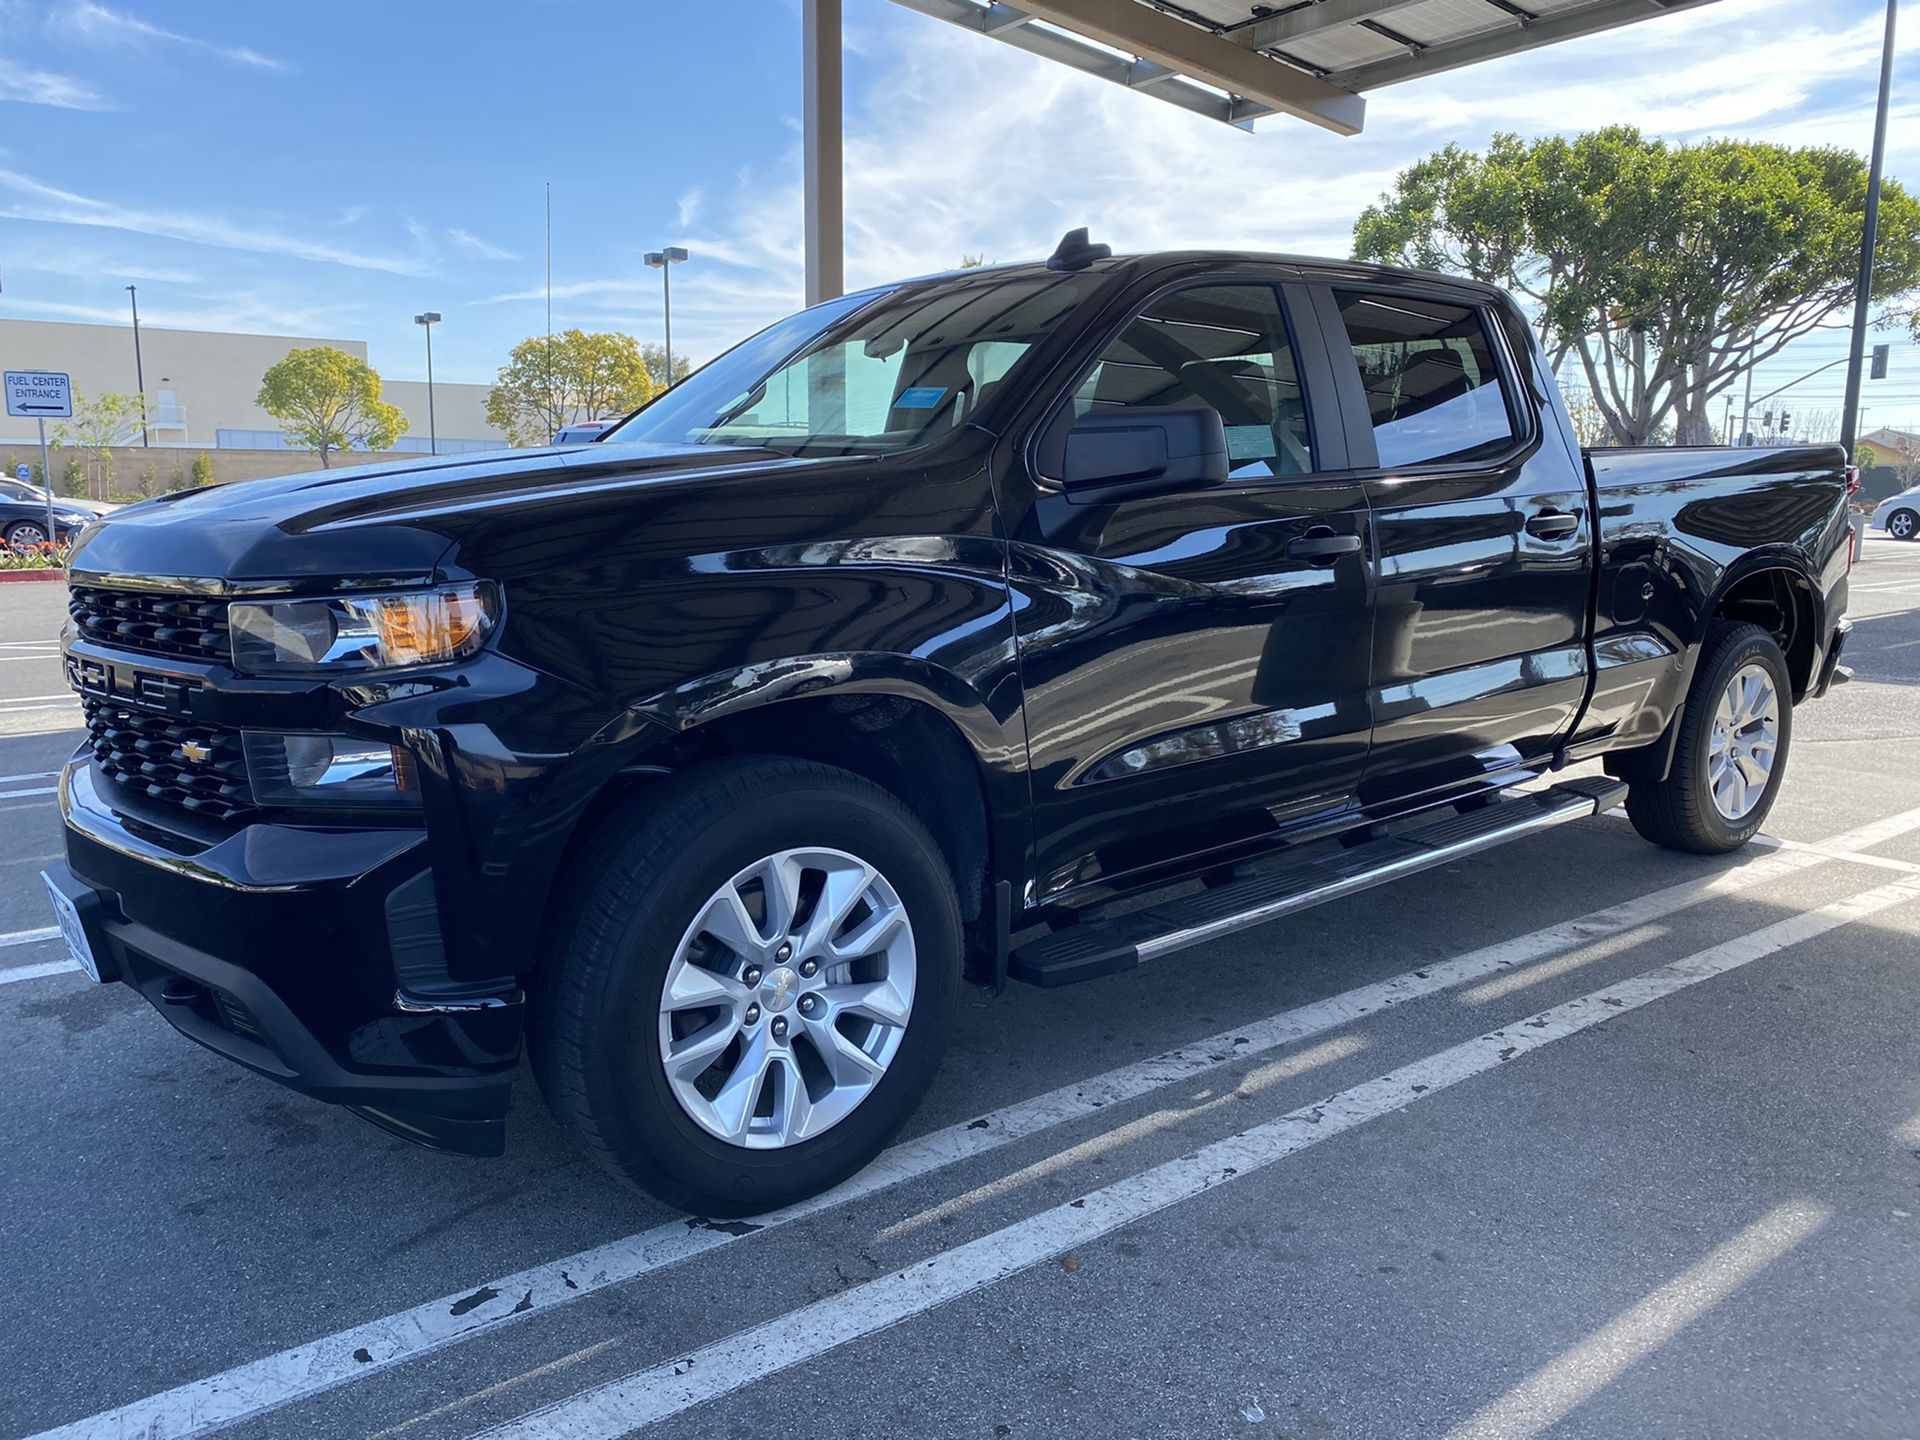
[{"x": 1149, "y": 450}]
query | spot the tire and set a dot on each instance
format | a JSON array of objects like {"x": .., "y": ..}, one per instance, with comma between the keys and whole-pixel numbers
[
  {"x": 1904, "y": 525},
  {"x": 630, "y": 914},
  {"x": 24, "y": 534},
  {"x": 1681, "y": 812}
]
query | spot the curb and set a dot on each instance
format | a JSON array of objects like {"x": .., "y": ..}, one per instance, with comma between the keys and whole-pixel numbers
[{"x": 7, "y": 575}]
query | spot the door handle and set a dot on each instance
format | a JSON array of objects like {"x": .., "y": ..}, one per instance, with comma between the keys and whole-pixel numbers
[
  {"x": 1321, "y": 545},
  {"x": 1552, "y": 525}
]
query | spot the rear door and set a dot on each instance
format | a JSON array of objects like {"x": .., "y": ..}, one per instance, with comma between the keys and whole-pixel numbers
[
  {"x": 1481, "y": 537},
  {"x": 1194, "y": 662}
]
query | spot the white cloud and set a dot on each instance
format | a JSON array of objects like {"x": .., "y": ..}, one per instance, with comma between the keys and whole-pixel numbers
[
  {"x": 964, "y": 146},
  {"x": 93, "y": 22},
  {"x": 475, "y": 245},
  {"x": 49, "y": 205},
  {"x": 45, "y": 87}
]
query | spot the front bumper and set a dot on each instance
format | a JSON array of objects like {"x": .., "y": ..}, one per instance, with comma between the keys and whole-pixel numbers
[{"x": 285, "y": 947}]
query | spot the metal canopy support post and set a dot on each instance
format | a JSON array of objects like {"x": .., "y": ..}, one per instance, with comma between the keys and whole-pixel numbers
[
  {"x": 1856, "y": 356},
  {"x": 825, "y": 238}
]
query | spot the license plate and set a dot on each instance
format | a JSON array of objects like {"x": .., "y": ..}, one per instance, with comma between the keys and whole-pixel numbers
[{"x": 71, "y": 929}]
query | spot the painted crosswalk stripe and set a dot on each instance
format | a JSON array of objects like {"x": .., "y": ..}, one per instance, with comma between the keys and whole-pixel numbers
[
  {"x": 259, "y": 1387},
  {"x": 645, "y": 1397}
]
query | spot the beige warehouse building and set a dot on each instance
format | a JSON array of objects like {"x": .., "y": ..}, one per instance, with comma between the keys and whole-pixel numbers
[{"x": 201, "y": 384}]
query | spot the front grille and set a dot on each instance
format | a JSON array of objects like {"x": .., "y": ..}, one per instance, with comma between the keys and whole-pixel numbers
[
  {"x": 159, "y": 624},
  {"x": 197, "y": 767}
]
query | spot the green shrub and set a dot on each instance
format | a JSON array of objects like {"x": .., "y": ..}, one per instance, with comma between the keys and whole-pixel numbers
[{"x": 203, "y": 469}]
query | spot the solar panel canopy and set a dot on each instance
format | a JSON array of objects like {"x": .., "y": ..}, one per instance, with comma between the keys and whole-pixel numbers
[{"x": 1313, "y": 59}]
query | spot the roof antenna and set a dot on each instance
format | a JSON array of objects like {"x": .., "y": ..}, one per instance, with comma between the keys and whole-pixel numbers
[{"x": 1075, "y": 252}]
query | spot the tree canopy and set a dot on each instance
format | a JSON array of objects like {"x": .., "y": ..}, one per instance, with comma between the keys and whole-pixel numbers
[
  {"x": 99, "y": 422},
  {"x": 656, "y": 358},
  {"x": 1667, "y": 270},
  {"x": 329, "y": 400},
  {"x": 577, "y": 376}
]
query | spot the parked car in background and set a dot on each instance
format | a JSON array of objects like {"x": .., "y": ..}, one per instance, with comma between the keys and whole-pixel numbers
[
  {"x": 584, "y": 432},
  {"x": 1900, "y": 516},
  {"x": 23, "y": 515},
  {"x": 954, "y": 627}
]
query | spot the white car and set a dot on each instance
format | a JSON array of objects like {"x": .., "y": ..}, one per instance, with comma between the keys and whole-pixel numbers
[{"x": 1900, "y": 516}]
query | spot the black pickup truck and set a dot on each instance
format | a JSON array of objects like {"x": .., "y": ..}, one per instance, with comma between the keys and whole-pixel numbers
[{"x": 927, "y": 636}]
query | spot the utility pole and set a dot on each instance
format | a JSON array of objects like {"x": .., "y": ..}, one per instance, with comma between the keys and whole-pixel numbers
[
  {"x": 1849, "y": 417},
  {"x": 1746, "y": 409},
  {"x": 139, "y": 371}
]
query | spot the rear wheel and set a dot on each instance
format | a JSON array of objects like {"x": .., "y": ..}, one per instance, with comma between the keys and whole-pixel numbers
[
  {"x": 751, "y": 986},
  {"x": 25, "y": 534},
  {"x": 1903, "y": 524},
  {"x": 1731, "y": 752}
]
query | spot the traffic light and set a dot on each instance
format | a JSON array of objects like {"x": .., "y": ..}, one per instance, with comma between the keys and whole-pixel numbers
[
  {"x": 1878, "y": 370},
  {"x": 1766, "y": 421},
  {"x": 1786, "y": 422}
]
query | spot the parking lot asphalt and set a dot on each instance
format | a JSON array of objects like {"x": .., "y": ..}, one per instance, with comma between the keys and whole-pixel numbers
[{"x": 1574, "y": 1138}]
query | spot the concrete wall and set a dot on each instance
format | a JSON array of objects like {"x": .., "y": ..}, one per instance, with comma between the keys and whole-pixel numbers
[{"x": 200, "y": 382}]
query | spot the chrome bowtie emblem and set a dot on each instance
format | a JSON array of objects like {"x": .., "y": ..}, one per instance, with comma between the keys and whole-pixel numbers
[
  {"x": 195, "y": 753},
  {"x": 776, "y": 991}
]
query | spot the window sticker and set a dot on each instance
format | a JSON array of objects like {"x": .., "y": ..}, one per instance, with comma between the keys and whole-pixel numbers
[
  {"x": 920, "y": 397},
  {"x": 1251, "y": 442}
]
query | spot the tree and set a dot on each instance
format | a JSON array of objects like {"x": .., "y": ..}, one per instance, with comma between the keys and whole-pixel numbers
[
  {"x": 656, "y": 358},
  {"x": 574, "y": 377},
  {"x": 1669, "y": 271},
  {"x": 329, "y": 400},
  {"x": 99, "y": 423}
]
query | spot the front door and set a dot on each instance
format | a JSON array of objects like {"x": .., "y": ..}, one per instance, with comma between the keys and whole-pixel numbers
[
  {"x": 1481, "y": 541},
  {"x": 1194, "y": 663}
]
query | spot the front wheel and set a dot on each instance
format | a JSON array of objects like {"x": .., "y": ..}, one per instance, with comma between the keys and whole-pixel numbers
[
  {"x": 751, "y": 985},
  {"x": 1731, "y": 753}
]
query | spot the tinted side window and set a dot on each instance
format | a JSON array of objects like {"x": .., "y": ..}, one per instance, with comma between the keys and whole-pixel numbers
[
  {"x": 1434, "y": 391},
  {"x": 1223, "y": 346}
]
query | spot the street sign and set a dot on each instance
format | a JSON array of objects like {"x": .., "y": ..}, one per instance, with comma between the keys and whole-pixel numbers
[
  {"x": 23, "y": 473},
  {"x": 39, "y": 394}
]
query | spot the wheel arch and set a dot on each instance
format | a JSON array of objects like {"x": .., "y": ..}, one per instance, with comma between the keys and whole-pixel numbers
[{"x": 919, "y": 732}]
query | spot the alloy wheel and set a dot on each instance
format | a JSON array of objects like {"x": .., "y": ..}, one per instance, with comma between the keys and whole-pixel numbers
[
  {"x": 1744, "y": 743},
  {"x": 787, "y": 998}
]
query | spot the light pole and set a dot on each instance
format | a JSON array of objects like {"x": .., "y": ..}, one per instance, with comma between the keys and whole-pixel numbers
[
  {"x": 430, "y": 319},
  {"x": 139, "y": 371},
  {"x": 664, "y": 261},
  {"x": 1857, "y": 352}
]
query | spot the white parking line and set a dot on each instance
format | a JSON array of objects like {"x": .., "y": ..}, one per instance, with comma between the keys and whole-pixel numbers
[
  {"x": 28, "y": 937},
  {"x": 21, "y": 794},
  {"x": 646, "y": 1396},
  {"x": 34, "y": 775},
  {"x": 36, "y": 972},
  {"x": 262, "y": 1386}
]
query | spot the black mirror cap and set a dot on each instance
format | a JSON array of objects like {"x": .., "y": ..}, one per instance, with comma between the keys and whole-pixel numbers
[
  {"x": 1147, "y": 450},
  {"x": 1076, "y": 252}
]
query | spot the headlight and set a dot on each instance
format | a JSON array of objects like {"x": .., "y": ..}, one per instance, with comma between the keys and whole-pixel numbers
[
  {"x": 361, "y": 632},
  {"x": 327, "y": 770}
]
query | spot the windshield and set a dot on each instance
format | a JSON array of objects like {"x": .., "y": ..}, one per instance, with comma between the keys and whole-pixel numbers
[{"x": 866, "y": 374}]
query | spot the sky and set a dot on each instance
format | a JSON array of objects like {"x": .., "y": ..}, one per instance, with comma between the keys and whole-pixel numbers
[{"x": 332, "y": 169}]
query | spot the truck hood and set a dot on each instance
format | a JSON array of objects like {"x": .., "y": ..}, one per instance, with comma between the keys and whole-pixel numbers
[{"x": 383, "y": 524}]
